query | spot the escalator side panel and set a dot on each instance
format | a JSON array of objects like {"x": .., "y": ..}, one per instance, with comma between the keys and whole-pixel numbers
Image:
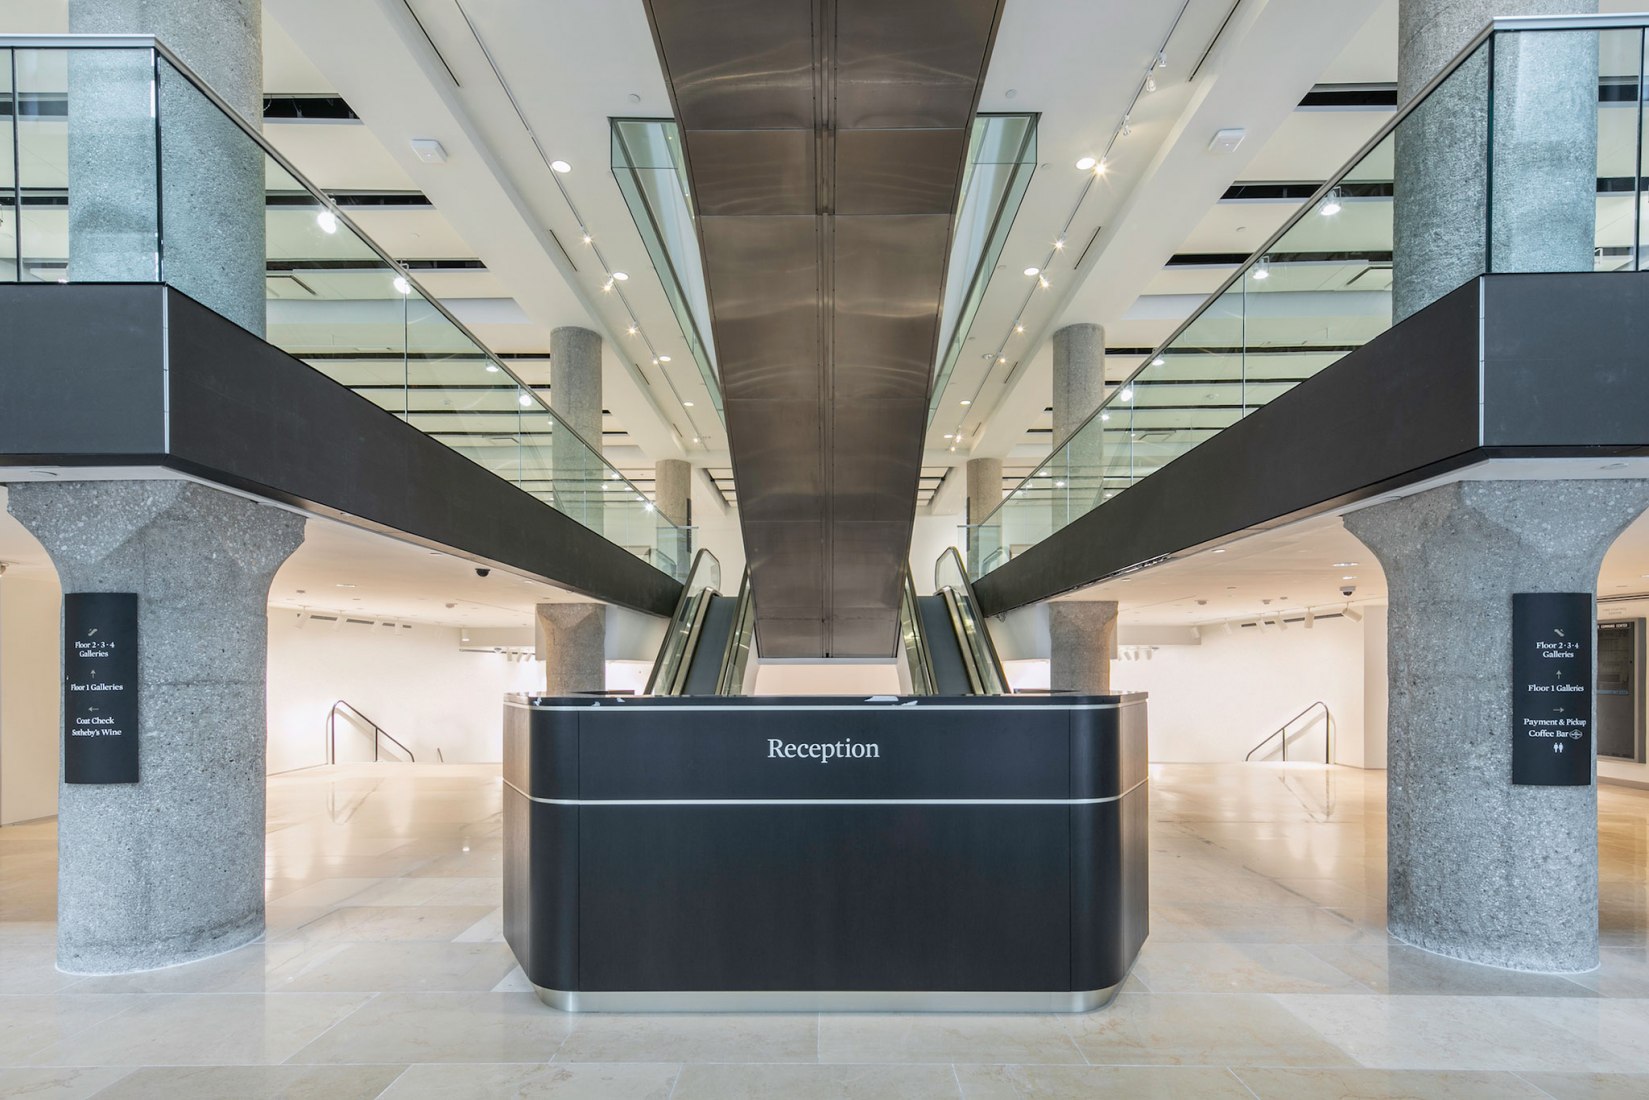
[{"x": 950, "y": 674}]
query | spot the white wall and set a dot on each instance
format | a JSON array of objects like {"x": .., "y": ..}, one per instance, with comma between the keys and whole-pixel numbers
[
  {"x": 930, "y": 537},
  {"x": 1215, "y": 700},
  {"x": 416, "y": 684},
  {"x": 30, "y": 674}
]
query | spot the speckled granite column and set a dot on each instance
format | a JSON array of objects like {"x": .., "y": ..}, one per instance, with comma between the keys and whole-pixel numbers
[
  {"x": 575, "y": 395},
  {"x": 1545, "y": 149},
  {"x": 672, "y": 489},
  {"x": 1078, "y": 388},
  {"x": 1479, "y": 869},
  {"x": 1082, "y": 639},
  {"x": 211, "y": 174},
  {"x": 984, "y": 494},
  {"x": 572, "y": 643},
  {"x": 170, "y": 869}
]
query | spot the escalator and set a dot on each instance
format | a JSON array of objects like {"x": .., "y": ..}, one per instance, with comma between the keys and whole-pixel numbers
[
  {"x": 707, "y": 648},
  {"x": 948, "y": 649}
]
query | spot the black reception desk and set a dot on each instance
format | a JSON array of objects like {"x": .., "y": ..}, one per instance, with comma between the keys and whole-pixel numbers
[{"x": 796, "y": 854}]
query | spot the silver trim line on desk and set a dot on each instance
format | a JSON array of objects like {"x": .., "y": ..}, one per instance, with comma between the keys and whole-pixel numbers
[
  {"x": 826, "y": 801},
  {"x": 830, "y": 1000},
  {"x": 847, "y": 703}
]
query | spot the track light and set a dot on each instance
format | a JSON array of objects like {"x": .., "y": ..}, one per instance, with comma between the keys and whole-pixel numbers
[
  {"x": 1352, "y": 613},
  {"x": 526, "y": 401},
  {"x": 328, "y": 221},
  {"x": 401, "y": 284},
  {"x": 1262, "y": 268},
  {"x": 1310, "y": 618},
  {"x": 1127, "y": 125},
  {"x": 1331, "y": 204},
  {"x": 1042, "y": 282},
  {"x": 1150, "y": 83}
]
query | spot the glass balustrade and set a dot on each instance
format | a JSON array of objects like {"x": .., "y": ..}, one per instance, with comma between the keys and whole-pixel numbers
[
  {"x": 115, "y": 166},
  {"x": 1540, "y": 126}
]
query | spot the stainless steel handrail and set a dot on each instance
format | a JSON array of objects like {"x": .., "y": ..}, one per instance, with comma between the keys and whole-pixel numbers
[
  {"x": 1621, "y": 21},
  {"x": 378, "y": 732},
  {"x": 918, "y": 657},
  {"x": 149, "y": 41},
  {"x": 978, "y": 643},
  {"x": 1328, "y": 734},
  {"x": 735, "y": 656},
  {"x": 670, "y": 653}
]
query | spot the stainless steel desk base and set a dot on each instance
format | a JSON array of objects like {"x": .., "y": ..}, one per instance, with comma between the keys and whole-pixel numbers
[{"x": 826, "y": 1001}]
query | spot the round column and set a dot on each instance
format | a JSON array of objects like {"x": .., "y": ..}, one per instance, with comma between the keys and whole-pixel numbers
[
  {"x": 1479, "y": 869},
  {"x": 575, "y": 395},
  {"x": 209, "y": 216},
  {"x": 1544, "y": 149},
  {"x": 1078, "y": 389},
  {"x": 984, "y": 494},
  {"x": 169, "y": 869}
]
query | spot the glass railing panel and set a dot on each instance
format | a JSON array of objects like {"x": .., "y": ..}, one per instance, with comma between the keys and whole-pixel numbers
[
  {"x": 105, "y": 229},
  {"x": 1641, "y": 173},
  {"x": 648, "y": 164},
  {"x": 1544, "y": 151},
  {"x": 458, "y": 395},
  {"x": 1319, "y": 290},
  {"x": 1001, "y": 158},
  {"x": 329, "y": 298},
  {"x": 9, "y": 204},
  {"x": 1619, "y": 128}
]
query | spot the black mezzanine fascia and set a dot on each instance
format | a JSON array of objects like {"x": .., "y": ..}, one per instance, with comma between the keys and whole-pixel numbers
[
  {"x": 1506, "y": 366},
  {"x": 143, "y": 375}
]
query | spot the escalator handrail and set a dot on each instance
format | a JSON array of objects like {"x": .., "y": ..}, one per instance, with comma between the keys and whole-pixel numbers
[
  {"x": 970, "y": 658},
  {"x": 993, "y": 662},
  {"x": 730, "y": 681},
  {"x": 684, "y": 607},
  {"x": 923, "y": 680}
]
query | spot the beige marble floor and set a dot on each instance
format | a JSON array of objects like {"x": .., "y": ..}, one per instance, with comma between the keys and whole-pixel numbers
[{"x": 1268, "y": 974}]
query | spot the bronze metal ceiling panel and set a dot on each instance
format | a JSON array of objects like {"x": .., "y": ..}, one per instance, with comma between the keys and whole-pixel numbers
[{"x": 825, "y": 143}]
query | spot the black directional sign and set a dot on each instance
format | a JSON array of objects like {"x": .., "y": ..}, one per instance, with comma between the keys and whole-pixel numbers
[
  {"x": 1552, "y": 653},
  {"x": 100, "y": 687}
]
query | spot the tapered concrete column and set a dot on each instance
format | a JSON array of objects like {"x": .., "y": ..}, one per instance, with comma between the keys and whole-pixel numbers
[
  {"x": 1480, "y": 869},
  {"x": 169, "y": 869},
  {"x": 1078, "y": 388},
  {"x": 1082, "y": 640},
  {"x": 210, "y": 212},
  {"x": 672, "y": 491},
  {"x": 984, "y": 494},
  {"x": 1544, "y": 149},
  {"x": 575, "y": 395},
  {"x": 572, "y": 643}
]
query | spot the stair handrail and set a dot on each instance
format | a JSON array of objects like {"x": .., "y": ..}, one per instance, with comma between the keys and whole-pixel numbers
[
  {"x": 379, "y": 734},
  {"x": 1328, "y": 734}
]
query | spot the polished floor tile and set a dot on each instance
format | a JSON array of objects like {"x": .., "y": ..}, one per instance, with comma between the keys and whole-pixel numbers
[
  {"x": 1269, "y": 973},
  {"x": 587, "y": 1081}
]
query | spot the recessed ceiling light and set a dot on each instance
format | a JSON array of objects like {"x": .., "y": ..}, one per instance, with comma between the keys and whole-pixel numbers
[
  {"x": 561, "y": 166},
  {"x": 1158, "y": 361},
  {"x": 686, "y": 404},
  {"x": 1349, "y": 577},
  {"x": 1127, "y": 394},
  {"x": 664, "y": 359},
  {"x": 1346, "y": 564},
  {"x": 1086, "y": 164},
  {"x": 965, "y": 401},
  {"x": 492, "y": 368},
  {"x": 341, "y": 585},
  {"x": 1220, "y": 551},
  {"x": 1033, "y": 271},
  {"x": 622, "y": 276},
  {"x": 695, "y": 439},
  {"x": 328, "y": 221}
]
